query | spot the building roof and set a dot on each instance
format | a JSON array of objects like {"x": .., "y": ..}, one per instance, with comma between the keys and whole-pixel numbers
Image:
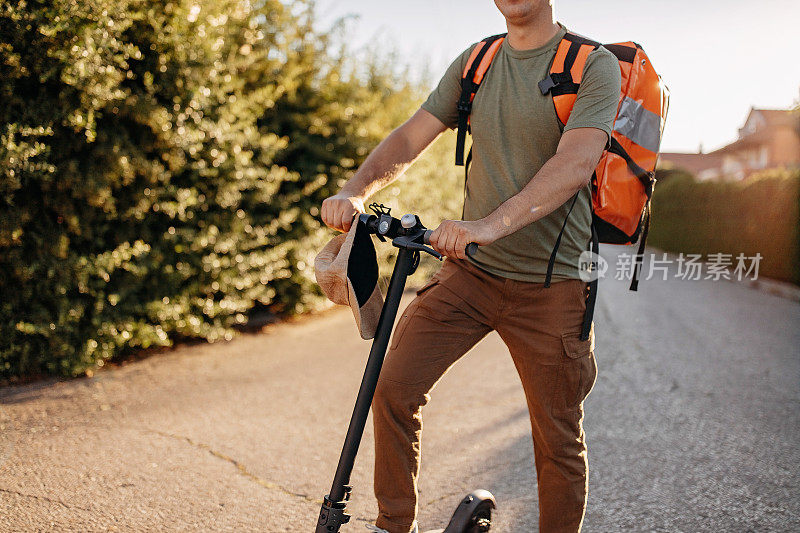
[
  {"x": 753, "y": 140},
  {"x": 758, "y": 130},
  {"x": 759, "y": 120},
  {"x": 778, "y": 117},
  {"x": 762, "y": 130},
  {"x": 694, "y": 163}
]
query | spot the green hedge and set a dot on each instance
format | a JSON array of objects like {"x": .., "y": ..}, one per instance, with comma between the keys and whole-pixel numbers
[
  {"x": 758, "y": 215},
  {"x": 161, "y": 168}
]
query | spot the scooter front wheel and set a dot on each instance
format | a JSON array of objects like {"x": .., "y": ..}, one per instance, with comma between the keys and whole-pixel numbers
[{"x": 473, "y": 514}]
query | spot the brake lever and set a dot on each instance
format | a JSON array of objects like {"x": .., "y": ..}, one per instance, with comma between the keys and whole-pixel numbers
[{"x": 408, "y": 241}]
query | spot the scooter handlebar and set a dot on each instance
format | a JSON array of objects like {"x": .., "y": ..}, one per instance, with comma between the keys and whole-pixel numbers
[{"x": 471, "y": 247}]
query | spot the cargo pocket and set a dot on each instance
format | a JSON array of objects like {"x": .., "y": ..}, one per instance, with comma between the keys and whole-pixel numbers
[{"x": 579, "y": 370}]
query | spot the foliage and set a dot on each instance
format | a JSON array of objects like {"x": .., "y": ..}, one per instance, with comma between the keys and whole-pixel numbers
[
  {"x": 432, "y": 188},
  {"x": 161, "y": 168},
  {"x": 758, "y": 215}
]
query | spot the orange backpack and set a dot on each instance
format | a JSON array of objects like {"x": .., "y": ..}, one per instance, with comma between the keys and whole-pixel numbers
[{"x": 622, "y": 183}]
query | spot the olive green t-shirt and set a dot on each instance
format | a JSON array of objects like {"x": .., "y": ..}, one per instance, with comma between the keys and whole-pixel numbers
[{"x": 514, "y": 132}]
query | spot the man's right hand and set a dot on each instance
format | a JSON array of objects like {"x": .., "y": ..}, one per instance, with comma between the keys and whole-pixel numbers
[{"x": 338, "y": 211}]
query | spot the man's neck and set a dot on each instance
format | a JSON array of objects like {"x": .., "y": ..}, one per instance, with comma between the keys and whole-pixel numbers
[{"x": 533, "y": 33}]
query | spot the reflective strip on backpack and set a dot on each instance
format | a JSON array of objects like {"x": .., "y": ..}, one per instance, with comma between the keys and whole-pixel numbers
[{"x": 639, "y": 124}]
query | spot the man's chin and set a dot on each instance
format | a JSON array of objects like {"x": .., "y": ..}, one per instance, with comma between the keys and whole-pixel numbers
[{"x": 518, "y": 10}]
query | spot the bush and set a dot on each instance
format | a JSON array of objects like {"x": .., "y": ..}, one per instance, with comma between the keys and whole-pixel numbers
[
  {"x": 758, "y": 215},
  {"x": 161, "y": 168}
]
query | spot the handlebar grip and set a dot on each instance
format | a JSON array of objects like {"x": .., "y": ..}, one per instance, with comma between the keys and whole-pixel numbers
[{"x": 471, "y": 247}]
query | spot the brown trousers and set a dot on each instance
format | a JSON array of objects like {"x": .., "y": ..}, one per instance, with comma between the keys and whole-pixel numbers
[{"x": 541, "y": 327}]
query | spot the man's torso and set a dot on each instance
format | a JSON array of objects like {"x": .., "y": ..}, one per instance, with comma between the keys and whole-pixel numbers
[{"x": 515, "y": 131}]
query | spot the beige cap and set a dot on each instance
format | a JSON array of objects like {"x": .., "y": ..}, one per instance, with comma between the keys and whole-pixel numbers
[{"x": 347, "y": 271}]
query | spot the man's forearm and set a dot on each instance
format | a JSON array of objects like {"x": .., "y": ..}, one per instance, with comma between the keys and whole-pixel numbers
[
  {"x": 386, "y": 163},
  {"x": 555, "y": 183}
]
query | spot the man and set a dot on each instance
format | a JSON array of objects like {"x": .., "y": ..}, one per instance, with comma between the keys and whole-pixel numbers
[{"x": 524, "y": 174}]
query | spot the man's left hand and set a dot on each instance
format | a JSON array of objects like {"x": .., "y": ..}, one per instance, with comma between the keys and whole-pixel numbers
[{"x": 452, "y": 236}]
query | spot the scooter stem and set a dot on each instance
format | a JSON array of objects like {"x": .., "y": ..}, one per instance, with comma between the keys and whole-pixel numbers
[{"x": 332, "y": 515}]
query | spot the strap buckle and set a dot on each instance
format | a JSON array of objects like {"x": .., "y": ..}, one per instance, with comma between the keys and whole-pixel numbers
[
  {"x": 547, "y": 84},
  {"x": 553, "y": 80}
]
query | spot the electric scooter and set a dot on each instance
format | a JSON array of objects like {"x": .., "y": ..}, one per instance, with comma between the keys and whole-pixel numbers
[{"x": 474, "y": 513}]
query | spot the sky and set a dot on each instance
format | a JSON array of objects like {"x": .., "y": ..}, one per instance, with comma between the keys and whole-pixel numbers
[{"x": 718, "y": 57}]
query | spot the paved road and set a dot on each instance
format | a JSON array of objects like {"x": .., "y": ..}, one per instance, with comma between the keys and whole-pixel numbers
[{"x": 692, "y": 426}]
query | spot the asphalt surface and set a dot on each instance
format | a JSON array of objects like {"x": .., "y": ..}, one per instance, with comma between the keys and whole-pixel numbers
[{"x": 692, "y": 426}]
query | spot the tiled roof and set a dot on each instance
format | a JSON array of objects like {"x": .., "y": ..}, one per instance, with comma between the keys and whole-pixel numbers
[
  {"x": 694, "y": 163},
  {"x": 778, "y": 117}
]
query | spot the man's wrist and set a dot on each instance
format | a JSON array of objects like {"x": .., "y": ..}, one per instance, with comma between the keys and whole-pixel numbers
[
  {"x": 355, "y": 196},
  {"x": 496, "y": 225}
]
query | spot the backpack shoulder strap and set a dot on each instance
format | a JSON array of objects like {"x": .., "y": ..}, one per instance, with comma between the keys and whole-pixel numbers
[
  {"x": 566, "y": 73},
  {"x": 477, "y": 64},
  {"x": 563, "y": 82}
]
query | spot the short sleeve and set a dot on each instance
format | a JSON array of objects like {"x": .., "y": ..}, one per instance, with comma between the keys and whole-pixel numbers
[
  {"x": 442, "y": 103},
  {"x": 598, "y": 96}
]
